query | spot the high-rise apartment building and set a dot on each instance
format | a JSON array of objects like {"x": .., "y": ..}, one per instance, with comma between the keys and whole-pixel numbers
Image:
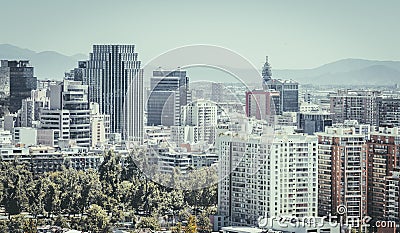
[
  {"x": 115, "y": 79},
  {"x": 16, "y": 83},
  {"x": 361, "y": 106},
  {"x": 383, "y": 159},
  {"x": 391, "y": 204},
  {"x": 266, "y": 175},
  {"x": 169, "y": 91},
  {"x": 342, "y": 168}
]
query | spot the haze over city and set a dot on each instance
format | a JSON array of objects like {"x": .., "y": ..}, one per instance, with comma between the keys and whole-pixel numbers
[{"x": 295, "y": 34}]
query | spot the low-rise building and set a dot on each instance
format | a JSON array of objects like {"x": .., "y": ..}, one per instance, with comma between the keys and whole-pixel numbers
[{"x": 25, "y": 135}]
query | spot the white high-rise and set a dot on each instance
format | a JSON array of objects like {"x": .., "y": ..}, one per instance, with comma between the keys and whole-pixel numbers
[
  {"x": 198, "y": 123},
  {"x": 266, "y": 175}
]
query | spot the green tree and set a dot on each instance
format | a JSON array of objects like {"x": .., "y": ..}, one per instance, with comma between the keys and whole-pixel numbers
[
  {"x": 15, "y": 184},
  {"x": 177, "y": 228},
  {"x": 209, "y": 196},
  {"x": 184, "y": 214},
  {"x": 110, "y": 177},
  {"x": 90, "y": 191},
  {"x": 149, "y": 222},
  {"x": 35, "y": 195},
  {"x": 3, "y": 226},
  {"x": 51, "y": 198},
  {"x": 61, "y": 221},
  {"x": 138, "y": 191},
  {"x": 191, "y": 226},
  {"x": 1, "y": 187},
  {"x": 30, "y": 226},
  {"x": 126, "y": 190},
  {"x": 117, "y": 214},
  {"x": 204, "y": 222},
  {"x": 17, "y": 224},
  {"x": 96, "y": 220},
  {"x": 69, "y": 187},
  {"x": 131, "y": 171},
  {"x": 201, "y": 188}
]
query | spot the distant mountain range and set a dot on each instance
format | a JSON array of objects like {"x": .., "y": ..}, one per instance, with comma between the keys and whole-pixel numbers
[
  {"x": 48, "y": 64},
  {"x": 347, "y": 71},
  {"x": 52, "y": 65}
]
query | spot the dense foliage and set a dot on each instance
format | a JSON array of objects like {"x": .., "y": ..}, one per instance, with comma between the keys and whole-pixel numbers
[{"x": 98, "y": 200}]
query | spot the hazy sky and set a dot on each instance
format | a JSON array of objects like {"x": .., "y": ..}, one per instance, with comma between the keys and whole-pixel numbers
[{"x": 295, "y": 34}]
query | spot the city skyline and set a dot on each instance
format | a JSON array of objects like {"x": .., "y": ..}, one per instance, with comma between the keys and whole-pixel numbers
[
  {"x": 200, "y": 117},
  {"x": 302, "y": 34}
]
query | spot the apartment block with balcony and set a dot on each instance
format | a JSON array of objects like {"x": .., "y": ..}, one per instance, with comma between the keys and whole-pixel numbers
[
  {"x": 267, "y": 175},
  {"x": 383, "y": 159},
  {"x": 342, "y": 169}
]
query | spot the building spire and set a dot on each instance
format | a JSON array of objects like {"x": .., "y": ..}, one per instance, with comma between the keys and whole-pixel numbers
[{"x": 266, "y": 71}]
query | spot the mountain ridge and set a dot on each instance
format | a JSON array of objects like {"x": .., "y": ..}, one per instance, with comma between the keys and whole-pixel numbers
[
  {"x": 346, "y": 71},
  {"x": 52, "y": 65},
  {"x": 48, "y": 64}
]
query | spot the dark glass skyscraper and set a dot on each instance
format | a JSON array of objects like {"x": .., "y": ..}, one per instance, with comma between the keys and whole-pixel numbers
[
  {"x": 17, "y": 82},
  {"x": 115, "y": 81},
  {"x": 169, "y": 92},
  {"x": 289, "y": 94}
]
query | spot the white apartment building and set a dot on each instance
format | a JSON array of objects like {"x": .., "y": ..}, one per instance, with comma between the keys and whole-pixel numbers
[
  {"x": 99, "y": 126},
  {"x": 198, "y": 123},
  {"x": 46, "y": 158},
  {"x": 392, "y": 197},
  {"x": 57, "y": 121},
  {"x": 68, "y": 112},
  {"x": 267, "y": 175}
]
